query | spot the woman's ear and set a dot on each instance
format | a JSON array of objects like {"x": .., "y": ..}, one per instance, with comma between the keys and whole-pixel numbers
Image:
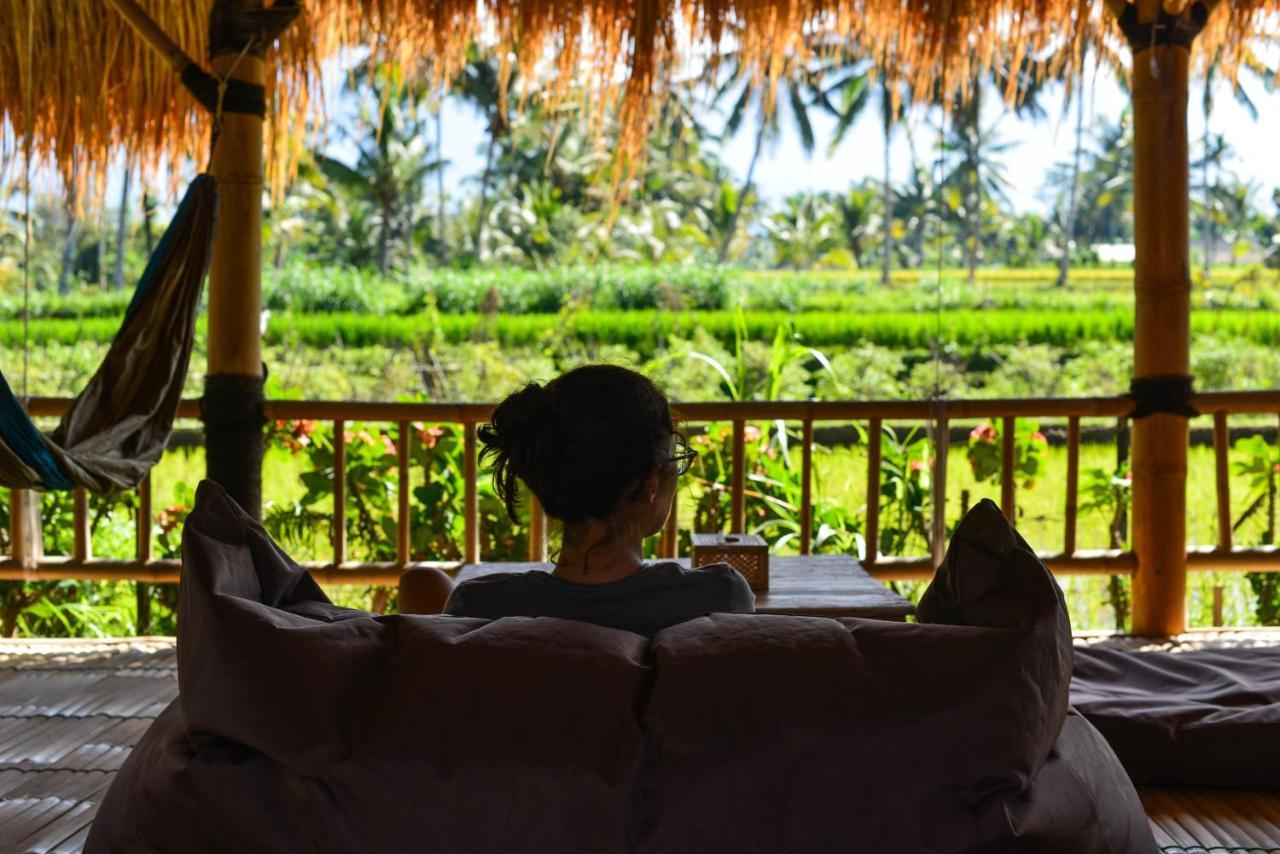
[{"x": 649, "y": 491}]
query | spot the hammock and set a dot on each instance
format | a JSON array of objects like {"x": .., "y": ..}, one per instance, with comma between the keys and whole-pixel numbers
[{"x": 117, "y": 428}]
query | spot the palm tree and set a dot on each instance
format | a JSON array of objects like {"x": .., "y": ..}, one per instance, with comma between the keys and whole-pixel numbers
[
  {"x": 480, "y": 84},
  {"x": 442, "y": 236},
  {"x": 855, "y": 212},
  {"x": 805, "y": 232},
  {"x": 751, "y": 94},
  {"x": 1105, "y": 212},
  {"x": 1214, "y": 155},
  {"x": 976, "y": 170},
  {"x": 392, "y": 163},
  {"x": 1255, "y": 68},
  {"x": 845, "y": 97},
  {"x": 1238, "y": 212},
  {"x": 1067, "y": 223},
  {"x": 122, "y": 230},
  {"x": 915, "y": 203}
]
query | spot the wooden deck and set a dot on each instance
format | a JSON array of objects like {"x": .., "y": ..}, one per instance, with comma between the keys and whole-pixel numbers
[{"x": 70, "y": 711}]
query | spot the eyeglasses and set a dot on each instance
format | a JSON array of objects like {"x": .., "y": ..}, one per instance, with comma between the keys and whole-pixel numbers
[{"x": 683, "y": 456}]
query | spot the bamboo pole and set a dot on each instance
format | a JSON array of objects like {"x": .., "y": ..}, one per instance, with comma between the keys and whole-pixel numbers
[
  {"x": 145, "y": 515},
  {"x": 873, "y": 493},
  {"x": 339, "y": 492},
  {"x": 1162, "y": 328},
  {"x": 80, "y": 521},
  {"x": 1008, "y": 435},
  {"x": 1073, "y": 486},
  {"x": 938, "y": 532},
  {"x": 537, "y": 531},
  {"x": 233, "y": 385},
  {"x": 806, "y": 490},
  {"x": 404, "y": 535},
  {"x": 1222, "y": 478},
  {"x": 470, "y": 496},
  {"x": 738, "y": 485},
  {"x": 671, "y": 530}
]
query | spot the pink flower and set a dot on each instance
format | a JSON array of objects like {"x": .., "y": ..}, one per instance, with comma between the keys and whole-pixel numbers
[
  {"x": 387, "y": 444},
  {"x": 428, "y": 436},
  {"x": 984, "y": 432},
  {"x": 1039, "y": 437},
  {"x": 751, "y": 433},
  {"x": 916, "y": 466}
]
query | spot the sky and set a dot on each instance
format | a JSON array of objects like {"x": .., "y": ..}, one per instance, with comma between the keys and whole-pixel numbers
[
  {"x": 1037, "y": 145},
  {"x": 784, "y": 169}
]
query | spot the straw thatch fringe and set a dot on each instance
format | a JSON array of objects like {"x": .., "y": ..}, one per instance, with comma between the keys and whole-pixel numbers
[{"x": 97, "y": 89}]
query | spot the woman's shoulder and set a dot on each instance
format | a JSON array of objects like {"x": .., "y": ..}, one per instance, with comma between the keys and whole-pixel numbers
[
  {"x": 722, "y": 576},
  {"x": 493, "y": 586}
]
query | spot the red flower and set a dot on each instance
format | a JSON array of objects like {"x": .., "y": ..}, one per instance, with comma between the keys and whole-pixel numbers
[
  {"x": 1039, "y": 437},
  {"x": 984, "y": 432},
  {"x": 171, "y": 517}
]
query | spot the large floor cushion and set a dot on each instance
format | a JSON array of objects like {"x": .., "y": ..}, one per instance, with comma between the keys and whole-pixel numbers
[
  {"x": 1200, "y": 718},
  {"x": 304, "y": 727}
]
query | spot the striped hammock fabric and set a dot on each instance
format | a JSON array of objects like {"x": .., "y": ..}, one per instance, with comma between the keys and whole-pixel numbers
[{"x": 117, "y": 427}]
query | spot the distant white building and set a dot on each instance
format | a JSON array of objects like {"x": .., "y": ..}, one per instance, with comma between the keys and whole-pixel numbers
[{"x": 1114, "y": 253}]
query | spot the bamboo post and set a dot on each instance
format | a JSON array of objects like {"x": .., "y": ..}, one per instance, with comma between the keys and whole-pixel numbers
[
  {"x": 234, "y": 383},
  {"x": 1222, "y": 478},
  {"x": 537, "y": 531},
  {"x": 404, "y": 535},
  {"x": 670, "y": 543},
  {"x": 1162, "y": 325},
  {"x": 339, "y": 492},
  {"x": 1008, "y": 436},
  {"x": 26, "y": 539},
  {"x": 873, "y": 492},
  {"x": 470, "y": 495},
  {"x": 738, "y": 484},
  {"x": 80, "y": 521},
  {"x": 938, "y": 533},
  {"x": 806, "y": 490},
  {"x": 144, "y": 551},
  {"x": 1073, "y": 486}
]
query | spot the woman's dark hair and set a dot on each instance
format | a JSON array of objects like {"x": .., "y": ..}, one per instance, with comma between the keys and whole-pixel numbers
[{"x": 579, "y": 442}]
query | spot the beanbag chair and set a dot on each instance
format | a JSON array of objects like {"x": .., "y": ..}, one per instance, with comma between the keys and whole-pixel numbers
[{"x": 302, "y": 726}]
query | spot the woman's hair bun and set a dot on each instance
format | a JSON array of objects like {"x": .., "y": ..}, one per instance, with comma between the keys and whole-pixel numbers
[
  {"x": 579, "y": 442},
  {"x": 520, "y": 438}
]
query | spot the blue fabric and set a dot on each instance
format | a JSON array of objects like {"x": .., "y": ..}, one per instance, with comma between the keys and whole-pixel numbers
[
  {"x": 17, "y": 431},
  {"x": 20, "y": 435},
  {"x": 160, "y": 257}
]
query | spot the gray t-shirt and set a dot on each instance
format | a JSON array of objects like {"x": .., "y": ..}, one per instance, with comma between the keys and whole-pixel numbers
[{"x": 660, "y": 595}]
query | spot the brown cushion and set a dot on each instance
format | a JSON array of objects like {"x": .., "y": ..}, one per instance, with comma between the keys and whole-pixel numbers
[{"x": 1202, "y": 718}]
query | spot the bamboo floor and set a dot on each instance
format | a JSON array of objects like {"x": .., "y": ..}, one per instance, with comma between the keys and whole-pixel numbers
[{"x": 70, "y": 712}]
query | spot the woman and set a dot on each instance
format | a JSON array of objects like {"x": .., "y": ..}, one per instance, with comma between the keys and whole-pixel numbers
[{"x": 598, "y": 448}]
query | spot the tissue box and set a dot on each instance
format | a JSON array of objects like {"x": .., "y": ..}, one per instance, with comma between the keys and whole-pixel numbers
[{"x": 746, "y": 553}]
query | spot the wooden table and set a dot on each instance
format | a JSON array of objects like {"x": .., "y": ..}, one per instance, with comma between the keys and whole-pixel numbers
[{"x": 813, "y": 586}]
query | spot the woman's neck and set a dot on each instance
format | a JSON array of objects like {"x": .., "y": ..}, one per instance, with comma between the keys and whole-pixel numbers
[{"x": 594, "y": 554}]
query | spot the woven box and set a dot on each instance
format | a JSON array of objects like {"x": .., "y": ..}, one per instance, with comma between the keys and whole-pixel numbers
[{"x": 746, "y": 553}]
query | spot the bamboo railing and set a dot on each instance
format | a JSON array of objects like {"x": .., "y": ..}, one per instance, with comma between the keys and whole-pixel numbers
[{"x": 873, "y": 414}]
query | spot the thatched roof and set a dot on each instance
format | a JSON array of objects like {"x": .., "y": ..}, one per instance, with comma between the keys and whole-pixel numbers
[{"x": 95, "y": 88}]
